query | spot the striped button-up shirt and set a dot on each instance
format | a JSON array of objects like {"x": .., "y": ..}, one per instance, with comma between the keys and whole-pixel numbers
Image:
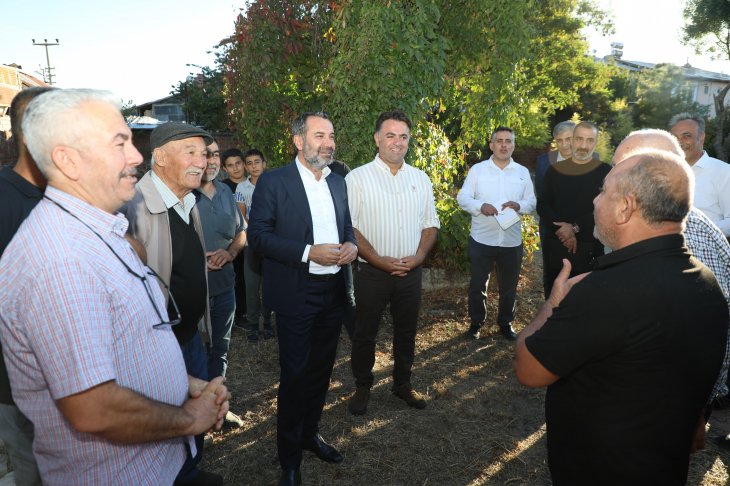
[
  {"x": 71, "y": 318},
  {"x": 708, "y": 244},
  {"x": 391, "y": 211},
  {"x": 171, "y": 200}
]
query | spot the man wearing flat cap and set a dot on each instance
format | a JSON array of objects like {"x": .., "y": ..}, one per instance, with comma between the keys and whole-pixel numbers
[{"x": 163, "y": 217}]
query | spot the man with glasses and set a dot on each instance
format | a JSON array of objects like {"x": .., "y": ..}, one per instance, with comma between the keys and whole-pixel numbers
[
  {"x": 91, "y": 355},
  {"x": 164, "y": 217}
]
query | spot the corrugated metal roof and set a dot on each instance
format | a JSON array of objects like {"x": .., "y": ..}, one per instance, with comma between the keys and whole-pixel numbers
[{"x": 143, "y": 122}]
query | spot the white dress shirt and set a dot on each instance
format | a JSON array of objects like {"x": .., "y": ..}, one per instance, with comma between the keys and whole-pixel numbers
[
  {"x": 171, "y": 201},
  {"x": 712, "y": 190},
  {"x": 487, "y": 183},
  {"x": 391, "y": 211},
  {"x": 324, "y": 221}
]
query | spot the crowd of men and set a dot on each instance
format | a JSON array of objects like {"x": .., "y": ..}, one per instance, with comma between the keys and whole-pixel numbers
[{"x": 118, "y": 295}]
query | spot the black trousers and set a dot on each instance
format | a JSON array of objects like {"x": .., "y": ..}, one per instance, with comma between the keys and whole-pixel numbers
[
  {"x": 307, "y": 350},
  {"x": 509, "y": 262},
  {"x": 240, "y": 287},
  {"x": 580, "y": 261},
  {"x": 374, "y": 289}
]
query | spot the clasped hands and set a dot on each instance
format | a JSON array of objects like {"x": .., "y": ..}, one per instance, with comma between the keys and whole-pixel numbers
[
  {"x": 327, "y": 254},
  {"x": 567, "y": 236},
  {"x": 209, "y": 403},
  {"x": 217, "y": 259}
]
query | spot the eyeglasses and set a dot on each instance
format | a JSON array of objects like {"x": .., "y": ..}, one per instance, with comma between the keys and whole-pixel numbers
[{"x": 143, "y": 278}]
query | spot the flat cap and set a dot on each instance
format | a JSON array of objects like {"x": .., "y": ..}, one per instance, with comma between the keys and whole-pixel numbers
[{"x": 167, "y": 132}]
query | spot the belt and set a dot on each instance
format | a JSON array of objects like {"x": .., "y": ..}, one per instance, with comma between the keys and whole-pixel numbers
[{"x": 313, "y": 277}]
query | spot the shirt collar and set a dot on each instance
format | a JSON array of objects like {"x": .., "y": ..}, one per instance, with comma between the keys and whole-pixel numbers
[
  {"x": 511, "y": 165},
  {"x": 99, "y": 220},
  {"x": 20, "y": 183},
  {"x": 170, "y": 199},
  {"x": 306, "y": 173},
  {"x": 638, "y": 249},
  {"x": 702, "y": 162},
  {"x": 560, "y": 157},
  {"x": 218, "y": 189},
  {"x": 385, "y": 167}
]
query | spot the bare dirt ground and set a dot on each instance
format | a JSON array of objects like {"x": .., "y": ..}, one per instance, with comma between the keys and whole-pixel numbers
[{"x": 481, "y": 427}]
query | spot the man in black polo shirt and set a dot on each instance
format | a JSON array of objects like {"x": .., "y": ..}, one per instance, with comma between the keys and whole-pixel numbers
[
  {"x": 21, "y": 188},
  {"x": 647, "y": 326}
]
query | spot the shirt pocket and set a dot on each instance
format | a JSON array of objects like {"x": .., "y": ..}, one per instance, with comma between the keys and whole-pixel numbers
[
  {"x": 487, "y": 188},
  {"x": 515, "y": 188},
  {"x": 225, "y": 225}
]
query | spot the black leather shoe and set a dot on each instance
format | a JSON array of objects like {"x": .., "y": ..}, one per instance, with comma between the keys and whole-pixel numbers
[
  {"x": 473, "y": 333},
  {"x": 508, "y": 333},
  {"x": 290, "y": 477},
  {"x": 321, "y": 449}
]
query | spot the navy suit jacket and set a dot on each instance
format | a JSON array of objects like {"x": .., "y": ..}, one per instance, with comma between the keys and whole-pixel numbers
[{"x": 280, "y": 227}]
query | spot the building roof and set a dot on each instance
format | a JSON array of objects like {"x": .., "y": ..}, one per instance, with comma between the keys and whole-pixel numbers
[
  {"x": 690, "y": 72},
  {"x": 143, "y": 122},
  {"x": 29, "y": 81}
]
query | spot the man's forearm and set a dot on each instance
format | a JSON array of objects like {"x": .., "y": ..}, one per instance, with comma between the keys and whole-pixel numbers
[
  {"x": 540, "y": 319},
  {"x": 428, "y": 239},
  {"x": 121, "y": 415},
  {"x": 364, "y": 248},
  {"x": 237, "y": 244}
]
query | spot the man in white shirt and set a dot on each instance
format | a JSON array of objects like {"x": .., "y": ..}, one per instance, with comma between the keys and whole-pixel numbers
[
  {"x": 493, "y": 187},
  {"x": 712, "y": 176},
  {"x": 395, "y": 223}
]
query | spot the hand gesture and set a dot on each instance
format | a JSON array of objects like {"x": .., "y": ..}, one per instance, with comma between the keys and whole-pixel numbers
[
  {"x": 208, "y": 406},
  {"x": 394, "y": 266},
  {"x": 563, "y": 284},
  {"x": 325, "y": 254},
  {"x": 489, "y": 210},
  {"x": 218, "y": 258},
  {"x": 511, "y": 204}
]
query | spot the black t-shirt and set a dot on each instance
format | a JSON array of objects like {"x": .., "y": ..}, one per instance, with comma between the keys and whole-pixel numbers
[
  {"x": 232, "y": 185},
  {"x": 187, "y": 280},
  {"x": 567, "y": 194},
  {"x": 638, "y": 345},
  {"x": 18, "y": 197}
]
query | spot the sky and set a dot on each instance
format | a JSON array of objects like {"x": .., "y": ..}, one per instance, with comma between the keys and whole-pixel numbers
[
  {"x": 139, "y": 48},
  {"x": 650, "y": 32},
  {"x": 135, "y": 48}
]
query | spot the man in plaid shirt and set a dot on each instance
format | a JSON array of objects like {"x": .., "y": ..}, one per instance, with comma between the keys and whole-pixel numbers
[{"x": 90, "y": 354}]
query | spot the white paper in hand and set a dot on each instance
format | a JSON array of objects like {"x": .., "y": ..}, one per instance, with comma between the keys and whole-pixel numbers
[{"x": 507, "y": 216}]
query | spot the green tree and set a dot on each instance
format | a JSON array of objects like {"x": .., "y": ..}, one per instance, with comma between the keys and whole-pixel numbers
[
  {"x": 707, "y": 29},
  {"x": 203, "y": 97},
  {"x": 128, "y": 108},
  {"x": 662, "y": 93}
]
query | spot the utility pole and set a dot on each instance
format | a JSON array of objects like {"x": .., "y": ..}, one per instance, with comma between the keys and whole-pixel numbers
[{"x": 48, "y": 59}]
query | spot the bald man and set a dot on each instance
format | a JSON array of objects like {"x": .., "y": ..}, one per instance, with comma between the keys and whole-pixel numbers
[{"x": 611, "y": 344}]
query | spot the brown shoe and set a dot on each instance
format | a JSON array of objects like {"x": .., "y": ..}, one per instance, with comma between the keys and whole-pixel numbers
[
  {"x": 359, "y": 403},
  {"x": 411, "y": 396}
]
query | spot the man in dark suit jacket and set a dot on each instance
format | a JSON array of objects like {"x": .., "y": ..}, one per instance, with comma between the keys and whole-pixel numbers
[
  {"x": 300, "y": 221},
  {"x": 563, "y": 138}
]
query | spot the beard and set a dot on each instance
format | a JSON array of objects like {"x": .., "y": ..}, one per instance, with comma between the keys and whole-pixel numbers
[
  {"x": 588, "y": 155},
  {"x": 317, "y": 159},
  {"x": 208, "y": 178},
  {"x": 605, "y": 236}
]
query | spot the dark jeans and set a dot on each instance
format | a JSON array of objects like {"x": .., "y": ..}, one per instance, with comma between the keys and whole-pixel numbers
[
  {"x": 482, "y": 258},
  {"x": 240, "y": 288},
  {"x": 349, "y": 318},
  {"x": 197, "y": 367},
  {"x": 222, "y": 308},
  {"x": 307, "y": 350},
  {"x": 253, "y": 267},
  {"x": 374, "y": 289}
]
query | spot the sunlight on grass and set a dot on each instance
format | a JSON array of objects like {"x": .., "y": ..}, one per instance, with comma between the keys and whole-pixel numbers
[
  {"x": 717, "y": 475},
  {"x": 508, "y": 456}
]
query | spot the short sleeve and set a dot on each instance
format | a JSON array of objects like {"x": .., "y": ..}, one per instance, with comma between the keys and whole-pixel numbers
[
  {"x": 585, "y": 327},
  {"x": 431, "y": 219},
  {"x": 70, "y": 329}
]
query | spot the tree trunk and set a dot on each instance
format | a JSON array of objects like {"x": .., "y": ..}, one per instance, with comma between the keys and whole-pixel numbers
[{"x": 722, "y": 146}]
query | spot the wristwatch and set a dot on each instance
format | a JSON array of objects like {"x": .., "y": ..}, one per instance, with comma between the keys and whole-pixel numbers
[{"x": 575, "y": 228}]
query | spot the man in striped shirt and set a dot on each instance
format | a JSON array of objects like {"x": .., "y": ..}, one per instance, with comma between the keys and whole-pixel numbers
[
  {"x": 91, "y": 357},
  {"x": 395, "y": 222}
]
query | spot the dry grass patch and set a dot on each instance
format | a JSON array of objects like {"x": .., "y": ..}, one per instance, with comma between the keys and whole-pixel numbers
[{"x": 481, "y": 427}]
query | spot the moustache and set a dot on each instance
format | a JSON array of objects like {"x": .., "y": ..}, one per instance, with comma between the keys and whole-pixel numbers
[{"x": 129, "y": 173}]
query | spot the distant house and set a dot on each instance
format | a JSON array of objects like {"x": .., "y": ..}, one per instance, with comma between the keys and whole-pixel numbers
[
  {"x": 165, "y": 109},
  {"x": 12, "y": 82},
  {"x": 705, "y": 83}
]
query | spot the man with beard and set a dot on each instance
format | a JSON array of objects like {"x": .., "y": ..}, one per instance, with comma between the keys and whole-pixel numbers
[
  {"x": 224, "y": 239},
  {"x": 565, "y": 206},
  {"x": 395, "y": 223},
  {"x": 648, "y": 325},
  {"x": 300, "y": 221}
]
